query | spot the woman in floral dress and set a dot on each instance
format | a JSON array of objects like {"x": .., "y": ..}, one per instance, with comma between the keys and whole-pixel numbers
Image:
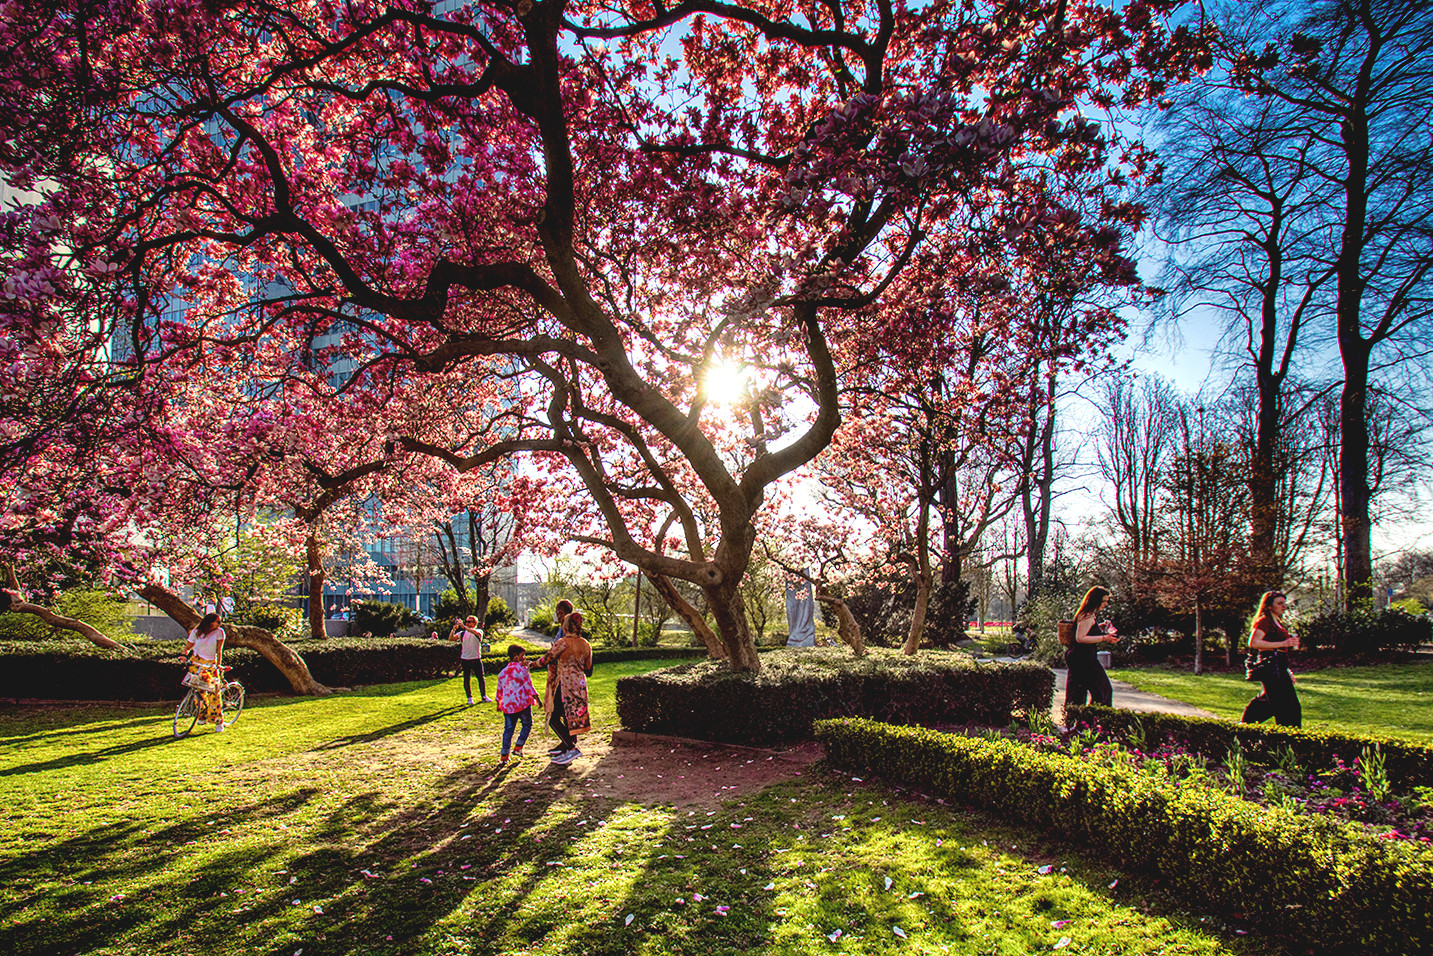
[
  {"x": 204, "y": 649},
  {"x": 569, "y": 662}
]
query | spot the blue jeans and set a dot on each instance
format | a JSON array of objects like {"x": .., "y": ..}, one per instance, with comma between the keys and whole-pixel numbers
[{"x": 510, "y": 721}]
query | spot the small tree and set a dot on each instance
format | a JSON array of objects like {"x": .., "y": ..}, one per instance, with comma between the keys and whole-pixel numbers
[{"x": 1203, "y": 567}]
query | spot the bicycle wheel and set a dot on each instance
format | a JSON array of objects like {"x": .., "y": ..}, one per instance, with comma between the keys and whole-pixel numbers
[
  {"x": 232, "y": 701},
  {"x": 186, "y": 715}
]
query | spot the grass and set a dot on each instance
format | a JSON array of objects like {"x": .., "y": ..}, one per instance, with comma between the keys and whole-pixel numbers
[
  {"x": 1394, "y": 700},
  {"x": 377, "y": 821}
]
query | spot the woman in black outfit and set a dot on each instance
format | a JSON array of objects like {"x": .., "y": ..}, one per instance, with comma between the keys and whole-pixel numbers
[
  {"x": 1086, "y": 676},
  {"x": 1268, "y": 641}
]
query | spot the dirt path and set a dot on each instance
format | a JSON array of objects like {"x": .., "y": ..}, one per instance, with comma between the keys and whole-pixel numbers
[{"x": 647, "y": 769}]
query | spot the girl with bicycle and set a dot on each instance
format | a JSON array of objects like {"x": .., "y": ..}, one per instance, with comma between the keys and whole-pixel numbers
[{"x": 204, "y": 649}]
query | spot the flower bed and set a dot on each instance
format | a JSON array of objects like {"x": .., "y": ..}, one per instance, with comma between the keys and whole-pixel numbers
[{"x": 1349, "y": 891}]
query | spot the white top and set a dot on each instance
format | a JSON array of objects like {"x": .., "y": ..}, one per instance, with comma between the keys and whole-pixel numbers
[
  {"x": 206, "y": 646},
  {"x": 472, "y": 643}
]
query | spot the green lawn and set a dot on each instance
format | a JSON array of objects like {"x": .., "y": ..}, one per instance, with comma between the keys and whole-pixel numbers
[
  {"x": 376, "y": 821},
  {"x": 1395, "y": 700}
]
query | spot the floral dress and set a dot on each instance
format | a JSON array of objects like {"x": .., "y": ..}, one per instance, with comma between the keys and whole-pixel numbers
[
  {"x": 211, "y": 709},
  {"x": 567, "y": 662}
]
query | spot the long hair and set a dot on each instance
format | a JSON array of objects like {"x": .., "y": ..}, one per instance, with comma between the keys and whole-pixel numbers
[
  {"x": 561, "y": 609},
  {"x": 1091, "y": 601},
  {"x": 572, "y": 624},
  {"x": 1266, "y": 601},
  {"x": 207, "y": 624}
]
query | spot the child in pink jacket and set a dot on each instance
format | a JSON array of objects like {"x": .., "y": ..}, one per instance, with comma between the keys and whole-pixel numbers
[{"x": 516, "y": 696}]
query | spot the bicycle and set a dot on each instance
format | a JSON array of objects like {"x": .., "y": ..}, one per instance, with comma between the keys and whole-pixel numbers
[{"x": 231, "y": 699}]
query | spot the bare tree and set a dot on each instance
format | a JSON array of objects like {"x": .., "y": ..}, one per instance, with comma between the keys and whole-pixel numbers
[
  {"x": 1132, "y": 441},
  {"x": 1362, "y": 70},
  {"x": 1301, "y": 466},
  {"x": 1245, "y": 215}
]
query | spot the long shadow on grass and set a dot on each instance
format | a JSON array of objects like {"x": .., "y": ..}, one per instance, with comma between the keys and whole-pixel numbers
[
  {"x": 66, "y": 912},
  {"x": 389, "y": 872},
  {"x": 92, "y": 756},
  {"x": 390, "y": 730}
]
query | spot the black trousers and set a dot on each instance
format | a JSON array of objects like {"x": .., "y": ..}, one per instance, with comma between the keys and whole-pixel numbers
[
  {"x": 557, "y": 720},
  {"x": 1086, "y": 677},
  {"x": 471, "y": 667},
  {"x": 1279, "y": 700}
]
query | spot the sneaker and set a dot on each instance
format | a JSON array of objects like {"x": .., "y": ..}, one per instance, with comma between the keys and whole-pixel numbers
[
  {"x": 470, "y": 702},
  {"x": 486, "y": 700},
  {"x": 567, "y": 756},
  {"x": 503, "y": 758},
  {"x": 554, "y": 751},
  {"x": 517, "y": 751},
  {"x": 219, "y": 727}
]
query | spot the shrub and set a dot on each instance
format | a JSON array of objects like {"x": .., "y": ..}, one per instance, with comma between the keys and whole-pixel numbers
[
  {"x": 77, "y": 670},
  {"x": 499, "y": 614},
  {"x": 1365, "y": 631},
  {"x": 68, "y": 670},
  {"x": 383, "y": 618},
  {"x": 796, "y": 687},
  {"x": 542, "y": 619},
  {"x": 883, "y": 605},
  {"x": 285, "y": 623},
  {"x": 446, "y": 605},
  {"x": 1408, "y": 764},
  {"x": 1352, "y": 892},
  {"x": 649, "y": 633}
]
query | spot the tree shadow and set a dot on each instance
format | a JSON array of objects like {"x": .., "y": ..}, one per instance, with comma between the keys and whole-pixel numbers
[
  {"x": 390, "y": 730},
  {"x": 90, "y": 757},
  {"x": 122, "y": 852}
]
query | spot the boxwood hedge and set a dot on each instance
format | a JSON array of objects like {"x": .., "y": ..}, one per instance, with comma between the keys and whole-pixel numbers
[
  {"x": 1408, "y": 764},
  {"x": 150, "y": 670},
  {"x": 1328, "y": 882},
  {"x": 708, "y": 701}
]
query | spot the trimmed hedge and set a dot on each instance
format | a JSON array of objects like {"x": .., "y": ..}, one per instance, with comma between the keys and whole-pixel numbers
[
  {"x": 796, "y": 687},
  {"x": 1330, "y": 883},
  {"x": 1408, "y": 764},
  {"x": 1365, "y": 632},
  {"x": 76, "y": 670}
]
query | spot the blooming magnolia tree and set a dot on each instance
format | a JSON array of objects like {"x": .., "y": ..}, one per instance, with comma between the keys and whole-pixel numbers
[{"x": 593, "y": 204}]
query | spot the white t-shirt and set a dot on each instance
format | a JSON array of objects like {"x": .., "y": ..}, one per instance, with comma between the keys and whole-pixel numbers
[
  {"x": 472, "y": 643},
  {"x": 206, "y": 646}
]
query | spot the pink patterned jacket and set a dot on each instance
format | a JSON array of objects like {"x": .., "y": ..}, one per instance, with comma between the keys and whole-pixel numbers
[{"x": 515, "y": 690}]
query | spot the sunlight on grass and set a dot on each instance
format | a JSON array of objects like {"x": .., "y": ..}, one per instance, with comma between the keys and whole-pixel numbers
[
  {"x": 1390, "y": 700},
  {"x": 376, "y": 821}
]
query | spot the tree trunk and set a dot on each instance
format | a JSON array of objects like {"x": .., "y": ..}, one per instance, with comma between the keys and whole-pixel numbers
[
  {"x": 1353, "y": 479},
  {"x": 1355, "y": 352},
  {"x": 921, "y": 577},
  {"x": 68, "y": 624},
  {"x": 1037, "y": 494},
  {"x": 636, "y": 607},
  {"x": 316, "y": 578},
  {"x": 731, "y": 624},
  {"x": 846, "y": 625},
  {"x": 276, "y": 652},
  {"x": 1198, "y": 636},
  {"x": 482, "y": 585},
  {"x": 1263, "y": 487},
  {"x": 694, "y": 620}
]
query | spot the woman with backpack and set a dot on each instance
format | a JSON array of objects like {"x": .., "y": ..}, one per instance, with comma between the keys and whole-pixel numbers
[{"x": 1085, "y": 675}]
